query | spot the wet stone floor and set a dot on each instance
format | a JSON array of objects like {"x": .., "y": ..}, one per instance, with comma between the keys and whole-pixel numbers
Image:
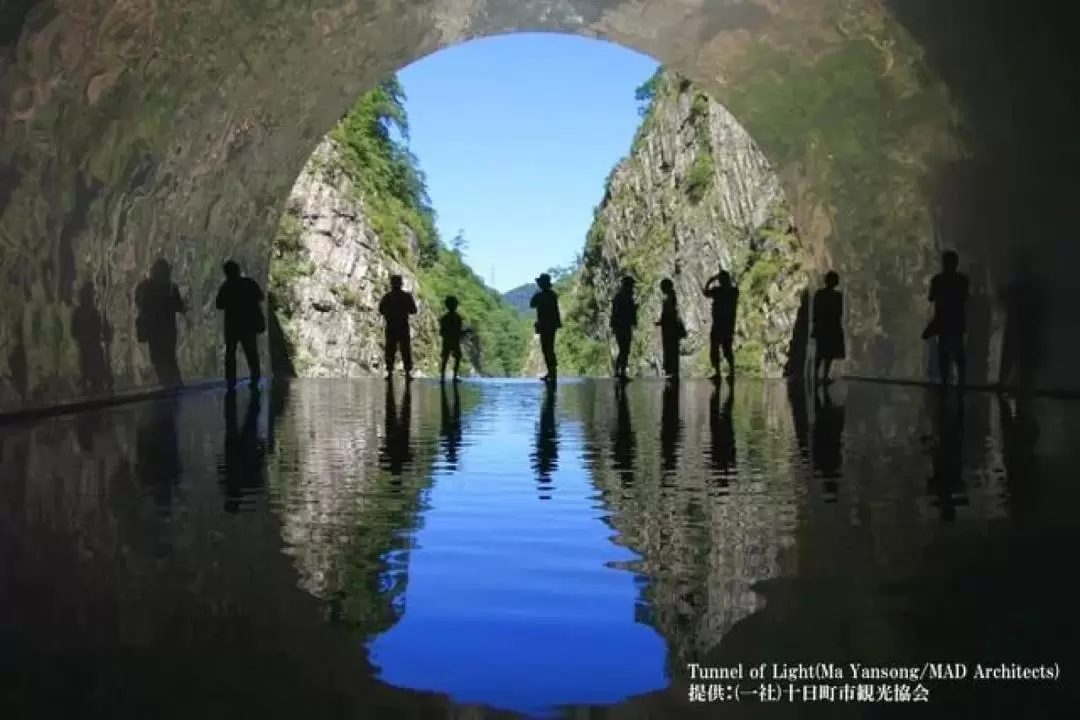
[{"x": 348, "y": 549}]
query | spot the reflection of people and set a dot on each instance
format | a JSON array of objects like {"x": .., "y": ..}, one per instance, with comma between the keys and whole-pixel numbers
[
  {"x": 396, "y": 306},
  {"x": 397, "y": 448},
  {"x": 721, "y": 437},
  {"x": 243, "y": 469},
  {"x": 827, "y": 449},
  {"x": 670, "y": 429},
  {"x": 828, "y": 327},
  {"x": 622, "y": 439},
  {"x": 672, "y": 330},
  {"x": 623, "y": 321},
  {"x": 946, "y": 483},
  {"x": 725, "y": 303},
  {"x": 1019, "y": 433},
  {"x": 157, "y": 451},
  {"x": 450, "y": 331},
  {"x": 949, "y": 292},
  {"x": 548, "y": 322},
  {"x": 158, "y": 302},
  {"x": 241, "y": 299},
  {"x": 545, "y": 458},
  {"x": 450, "y": 427}
]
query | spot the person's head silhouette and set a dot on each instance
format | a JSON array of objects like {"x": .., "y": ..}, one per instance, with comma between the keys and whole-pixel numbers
[
  {"x": 543, "y": 281},
  {"x": 162, "y": 270},
  {"x": 666, "y": 286},
  {"x": 396, "y": 282},
  {"x": 628, "y": 282},
  {"x": 451, "y": 303},
  {"x": 832, "y": 279},
  {"x": 950, "y": 260},
  {"x": 724, "y": 278},
  {"x": 231, "y": 269}
]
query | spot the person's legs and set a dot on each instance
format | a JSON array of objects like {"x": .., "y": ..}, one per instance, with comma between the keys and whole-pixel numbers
[
  {"x": 250, "y": 344},
  {"x": 622, "y": 359},
  {"x": 547, "y": 348},
  {"x": 960, "y": 358},
  {"x": 457, "y": 362},
  {"x": 230, "y": 358},
  {"x": 390, "y": 351},
  {"x": 827, "y": 375},
  {"x": 443, "y": 360},
  {"x": 714, "y": 352},
  {"x": 944, "y": 358},
  {"x": 406, "y": 351},
  {"x": 729, "y": 356}
]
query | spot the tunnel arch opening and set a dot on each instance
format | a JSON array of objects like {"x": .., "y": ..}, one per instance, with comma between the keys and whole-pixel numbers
[
  {"x": 142, "y": 131},
  {"x": 682, "y": 165}
]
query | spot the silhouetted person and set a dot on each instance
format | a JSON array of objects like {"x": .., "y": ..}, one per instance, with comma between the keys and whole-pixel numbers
[
  {"x": 548, "y": 322},
  {"x": 397, "y": 448},
  {"x": 725, "y": 303},
  {"x": 946, "y": 483},
  {"x": 240, "y": 298},
  {"x": 1019, "y": 434},
  {"x": 622, "y": 439},
  {"x": 450, "y": 427},
  {"x": 451, "y": 331},
  {"x": 624, "y": 311},
  {"x": 949, "y": 292},
  {"x": 158, "y": 302},
  {"x": 721, "y": 437},
  {"x": 828, "y": 327},
  {"x": 545, "y": 458},
  {"x": 828, "y": 453},
  {"x": 243, "y": 470},
  {"x": 396, "y": 306},
  {"x": 670, "y": 429},
  {"x": 672, "y": 329},
  {"x": 92, "y": 334},
  {"x": 157, "y": 451}
]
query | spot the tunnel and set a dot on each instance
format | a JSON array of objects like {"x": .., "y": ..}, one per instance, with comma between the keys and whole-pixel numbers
[{"x": 139, "y": 134}]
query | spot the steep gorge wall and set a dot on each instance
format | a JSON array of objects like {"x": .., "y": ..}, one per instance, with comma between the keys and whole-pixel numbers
[{"x": 694, "y": 194}]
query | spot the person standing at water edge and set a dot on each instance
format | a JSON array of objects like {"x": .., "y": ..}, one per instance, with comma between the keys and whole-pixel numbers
[
  {"x": 396, "y": 306},
  {"x": 450, "y": 331},
  {"x": 949, "y": 292},
  {"x": 241, "y": 298},
  {"x": 725, "y": 301},
  {"x": 828, "y": 327},
  {"x": 623, "y": 321},
  {"x": 672, "y": 330},
  {"x": 548, "y": 322}
]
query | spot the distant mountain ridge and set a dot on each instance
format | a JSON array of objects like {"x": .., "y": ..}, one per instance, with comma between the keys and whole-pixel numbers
[{"x": 519, "y": 297}]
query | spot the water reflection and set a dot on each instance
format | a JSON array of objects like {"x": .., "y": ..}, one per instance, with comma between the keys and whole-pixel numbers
[{"x": 410, "y": 524}]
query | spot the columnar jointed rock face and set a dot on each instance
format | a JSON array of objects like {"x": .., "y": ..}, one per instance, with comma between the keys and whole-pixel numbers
[
  {"x": 333, "y": 286},
  {"x": 695, "y": 195},
  {"x": 133, "y": 131}
]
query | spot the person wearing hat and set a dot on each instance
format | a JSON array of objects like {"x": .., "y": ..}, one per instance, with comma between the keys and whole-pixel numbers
[
  {"x": 548, "y": 321},
  {"x": 623, "y": 321},
  {"x": 725, "y": 302}
]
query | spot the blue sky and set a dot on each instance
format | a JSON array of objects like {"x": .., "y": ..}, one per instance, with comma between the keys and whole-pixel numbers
[{"x": 516, "y": 135}]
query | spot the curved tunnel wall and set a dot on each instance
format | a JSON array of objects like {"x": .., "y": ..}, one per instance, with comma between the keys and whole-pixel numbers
[{"x": 133, "y": 131}]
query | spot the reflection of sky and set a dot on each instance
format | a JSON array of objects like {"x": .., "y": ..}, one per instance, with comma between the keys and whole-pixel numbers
[{"x": 509, "y": 602}]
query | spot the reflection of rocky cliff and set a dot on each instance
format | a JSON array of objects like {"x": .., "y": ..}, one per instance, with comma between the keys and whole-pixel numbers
[
  {"x": 346, "y": 520},
  {"x": 702, "y": 546}
]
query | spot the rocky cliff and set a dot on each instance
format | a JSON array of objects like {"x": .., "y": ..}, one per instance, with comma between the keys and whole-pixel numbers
[
  {"x": 694, "y": 194},
  {"x": 357, "y": 214}
]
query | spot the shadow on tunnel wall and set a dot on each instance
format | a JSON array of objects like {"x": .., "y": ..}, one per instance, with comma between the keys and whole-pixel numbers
[
  {"x": 1010, "y": 70},
  {"x": 795, "y": 368},
  {"x": 158, "y": 301}
]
